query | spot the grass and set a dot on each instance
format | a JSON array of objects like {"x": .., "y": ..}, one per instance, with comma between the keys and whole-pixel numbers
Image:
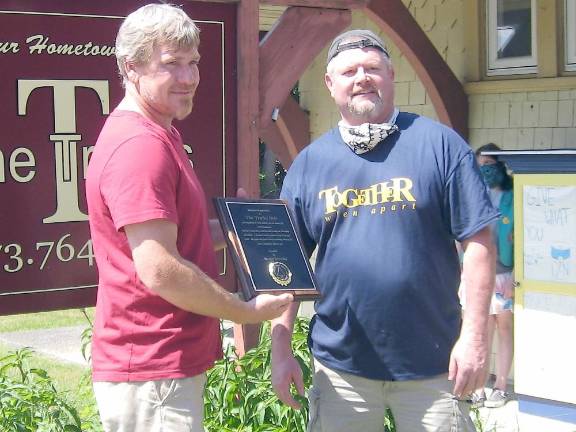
[
  {"x": 66, "y": 375},
  {"x": 44, "y": 320},
  {"x": 71, "y": 381},
  {"x": 69, "y": 378}
]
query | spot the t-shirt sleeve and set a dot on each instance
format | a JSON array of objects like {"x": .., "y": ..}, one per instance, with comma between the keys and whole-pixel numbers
[
  {"x": 467, "y": 203},
  {"x": 142, "y": 188}
]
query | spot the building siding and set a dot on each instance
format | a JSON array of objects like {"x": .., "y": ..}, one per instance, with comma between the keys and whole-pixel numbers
[{"x": 513, "y": 119}]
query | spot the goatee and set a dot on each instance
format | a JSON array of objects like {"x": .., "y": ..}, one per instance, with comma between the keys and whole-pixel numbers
[{"x": 363, "y": 108}]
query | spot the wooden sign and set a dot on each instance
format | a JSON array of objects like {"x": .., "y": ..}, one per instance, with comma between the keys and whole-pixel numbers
[{"x": 59, "y": 82}]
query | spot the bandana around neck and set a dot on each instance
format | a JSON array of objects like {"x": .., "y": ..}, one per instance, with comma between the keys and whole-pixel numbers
[{"x": 363, "y": 138}]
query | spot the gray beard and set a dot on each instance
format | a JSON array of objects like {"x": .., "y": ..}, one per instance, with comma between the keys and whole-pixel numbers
[{"x": 364, "y": 108}]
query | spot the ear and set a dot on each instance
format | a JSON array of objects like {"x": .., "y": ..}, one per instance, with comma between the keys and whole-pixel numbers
[
  {"x": 391, "y": 70},
  {"x": 329, "y": 83},
  {"x": 131, "y": 72}
]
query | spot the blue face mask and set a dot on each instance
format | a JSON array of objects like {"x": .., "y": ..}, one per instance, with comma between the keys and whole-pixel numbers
[{"x": 493, "y": 174}]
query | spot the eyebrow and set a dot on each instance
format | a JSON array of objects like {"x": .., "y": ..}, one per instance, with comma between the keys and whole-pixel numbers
[
  {"x": 357, "y": 65},
  {"x": 179, "y": 55}
]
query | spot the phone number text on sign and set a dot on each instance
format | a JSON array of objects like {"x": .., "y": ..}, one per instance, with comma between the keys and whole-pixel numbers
[{"x": 62, "y": 250}]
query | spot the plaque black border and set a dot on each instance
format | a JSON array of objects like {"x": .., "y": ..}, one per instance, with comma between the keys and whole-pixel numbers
[{"x": 241, "y": 264}]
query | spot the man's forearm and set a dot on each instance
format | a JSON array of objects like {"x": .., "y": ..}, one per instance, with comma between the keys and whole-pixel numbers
[
  {"x": 183, "y": 284},
  {"x": 478, "y": 277},
  {"x": 282, "y": 329}
]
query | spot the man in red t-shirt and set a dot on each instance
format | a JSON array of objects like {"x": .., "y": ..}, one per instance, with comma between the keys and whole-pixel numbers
[{"x": 156, "y": 330}]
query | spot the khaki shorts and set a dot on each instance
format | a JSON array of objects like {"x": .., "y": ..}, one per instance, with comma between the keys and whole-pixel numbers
[
  {"x": 348, "y": 403},
  {"x": 173, "y": 405}
]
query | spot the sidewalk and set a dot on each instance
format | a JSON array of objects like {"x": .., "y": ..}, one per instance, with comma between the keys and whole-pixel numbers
[
  {"x": 65, "y": 343},
  {"x": 62, "y": 343},
  {"x": 503, "y": 419}
]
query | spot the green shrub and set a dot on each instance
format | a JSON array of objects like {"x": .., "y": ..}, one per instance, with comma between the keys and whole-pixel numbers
[
  {"x": 29, "y": 401},
  {"x": 239, "y": 394}
]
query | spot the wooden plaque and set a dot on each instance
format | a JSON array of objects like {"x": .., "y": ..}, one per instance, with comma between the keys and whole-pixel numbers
[{"x": 266, "y": 250}]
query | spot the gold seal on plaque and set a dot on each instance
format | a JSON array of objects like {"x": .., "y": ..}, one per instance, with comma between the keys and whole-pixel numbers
[{"x": 280, "y": 273}]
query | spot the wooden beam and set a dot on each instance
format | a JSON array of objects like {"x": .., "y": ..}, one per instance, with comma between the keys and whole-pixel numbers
[
  {"x": 297, "y": 38},
  {"x": 289, "y": 134},
  {"x": 246, "y": 337},
  {"x": 217, "y": 1},
  {"x": 248, "y": 108},
  {"x": 446, "y": 92},
  {"x": 329, "y": 4}
]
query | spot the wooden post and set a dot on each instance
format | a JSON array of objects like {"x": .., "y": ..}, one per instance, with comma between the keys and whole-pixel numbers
[
  {"x": 246, "y": 336},
  {"x": 315, "y": 28}
]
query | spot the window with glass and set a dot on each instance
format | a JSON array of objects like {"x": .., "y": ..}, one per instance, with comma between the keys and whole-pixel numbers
[
  {"x": 511, "y": 36},
  {"x": 570, "y": 34}
]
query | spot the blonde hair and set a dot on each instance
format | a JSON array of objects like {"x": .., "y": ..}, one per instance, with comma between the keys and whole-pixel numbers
[{"x": 150, "y": 26}]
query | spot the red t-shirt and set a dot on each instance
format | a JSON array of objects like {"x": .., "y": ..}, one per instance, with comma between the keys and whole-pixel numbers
[{"x": 139, "y": 172}]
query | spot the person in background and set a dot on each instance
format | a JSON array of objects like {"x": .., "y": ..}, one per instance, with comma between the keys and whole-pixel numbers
[
  {"x": 501, "y": 319},
  {"x": 382, "y": 197},
  {"x": 156, "y": 330}
]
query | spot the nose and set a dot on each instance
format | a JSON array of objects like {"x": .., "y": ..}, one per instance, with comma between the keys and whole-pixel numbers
[
  {"x": 190, "y": 75},
  {"x": 361, "y": 74}
]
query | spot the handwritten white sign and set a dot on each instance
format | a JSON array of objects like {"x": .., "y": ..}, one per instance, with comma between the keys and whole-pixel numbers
[
  {"x": 550, "y": 233},
  {"x": 545, "y": 357}
]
